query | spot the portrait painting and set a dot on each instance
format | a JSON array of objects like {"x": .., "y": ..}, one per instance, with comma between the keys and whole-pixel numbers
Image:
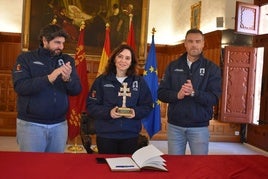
[
  {"x": 94, "y": 13},
  {"x": 195, "y": 15}
]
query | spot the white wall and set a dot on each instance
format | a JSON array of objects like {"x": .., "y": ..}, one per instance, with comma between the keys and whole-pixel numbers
[
  {"x": 176, "y": 17},
  {"x": 11, "y": 15}
]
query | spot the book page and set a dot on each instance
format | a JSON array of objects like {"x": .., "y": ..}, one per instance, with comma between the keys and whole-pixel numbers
[
  {"x": 145, "y": 153},
  {"x": 122, "y": 164}
]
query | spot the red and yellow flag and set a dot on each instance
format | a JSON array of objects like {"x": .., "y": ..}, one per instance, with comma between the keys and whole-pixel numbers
[
  {"x": 131, "y": 36},
  {"x": 105, "y": 51},
  {"x": 77, "y": 104}
]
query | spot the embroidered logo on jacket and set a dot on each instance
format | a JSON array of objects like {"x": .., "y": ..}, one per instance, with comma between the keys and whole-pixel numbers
[
  {"x": 60, "y": 62},
  {"x": 38, "y": 63},
  {"x": 18, "y": 68},
  {"x": 179, "y": 70},
  {"x": 109, "y": 85},
  {"x": 202, "y": 71},
  {"x": 135, "y": 86},
  {"x": 93, "y": 95}
]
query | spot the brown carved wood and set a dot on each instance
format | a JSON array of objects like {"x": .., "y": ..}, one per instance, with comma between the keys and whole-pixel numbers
[
  {"x": 9, "y": 49},
  {"x": 238, "y": 84}
]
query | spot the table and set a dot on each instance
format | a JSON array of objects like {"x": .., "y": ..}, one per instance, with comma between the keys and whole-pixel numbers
[{"x": 69, "y": 165}]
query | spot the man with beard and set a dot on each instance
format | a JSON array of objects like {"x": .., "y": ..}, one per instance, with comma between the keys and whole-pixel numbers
[
  {"x": 43, "y": 79},
  {"x": 192, "y": 86}
]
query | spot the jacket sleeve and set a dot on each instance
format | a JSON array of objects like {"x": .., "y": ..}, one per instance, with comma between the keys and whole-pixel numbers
[
  {"x": 95, "y": 106},
  {"x": 145, "y": 101},
  {"x": 23, "y": 82},
  {"x": 165, "y": 92}
]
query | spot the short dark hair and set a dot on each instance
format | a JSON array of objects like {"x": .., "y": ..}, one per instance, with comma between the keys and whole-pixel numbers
[
  {"x": 110, "y": 68},
  {"x": 194, "y": 31},
  {"x": 52, "y": 31}
]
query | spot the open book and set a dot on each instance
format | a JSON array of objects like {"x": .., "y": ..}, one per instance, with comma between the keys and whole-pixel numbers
[{"x": 148, "y": 157}]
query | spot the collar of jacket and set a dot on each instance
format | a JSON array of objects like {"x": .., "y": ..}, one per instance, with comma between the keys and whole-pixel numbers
[{"x": 183, "y": 58}]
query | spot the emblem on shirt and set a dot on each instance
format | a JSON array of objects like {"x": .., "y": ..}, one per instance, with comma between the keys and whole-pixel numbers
[
  {"x": 60, "y": 62},
  {"x": 18, "y": 67},
  {"x": 135, "y": 86},
  {"x": 93, "y": 94},
  {"x": 202, "y": 71}
]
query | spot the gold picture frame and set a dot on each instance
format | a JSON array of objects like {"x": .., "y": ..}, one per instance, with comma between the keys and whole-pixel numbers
[
  {"x": 195, "y": 15},
  {"x": 35, "y": 11}
]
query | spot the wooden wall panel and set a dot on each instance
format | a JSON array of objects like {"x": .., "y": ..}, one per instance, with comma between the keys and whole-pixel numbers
[
  {"x": 9, "y": 49},
  {"x": 7, "y": 94}
]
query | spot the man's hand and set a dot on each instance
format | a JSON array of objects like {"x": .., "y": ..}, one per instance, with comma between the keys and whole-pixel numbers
[
  {"x": 66, "y": 71},
  {"x": 186, "y": 90},
  {"x": 53, "y": 76}
]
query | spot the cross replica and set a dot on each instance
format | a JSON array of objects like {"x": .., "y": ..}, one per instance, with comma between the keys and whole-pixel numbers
[{"x": 125, "y": 92}]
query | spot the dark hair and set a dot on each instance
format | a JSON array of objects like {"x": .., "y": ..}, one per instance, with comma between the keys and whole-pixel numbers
[
  {"x": 194, "y": 31},
  {"x": 110, "y": 68},
  {"x": 50, "y": 32}
]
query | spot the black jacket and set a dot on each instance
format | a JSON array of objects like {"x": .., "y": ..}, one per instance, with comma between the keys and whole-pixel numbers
[
  {"x": 103, "y": 96},
  {"x": 38, "y": 100},
  {"x": 206, "y": 79}
]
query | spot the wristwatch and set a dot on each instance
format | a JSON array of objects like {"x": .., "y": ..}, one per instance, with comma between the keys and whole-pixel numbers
[{"x": 193, "y": 93}]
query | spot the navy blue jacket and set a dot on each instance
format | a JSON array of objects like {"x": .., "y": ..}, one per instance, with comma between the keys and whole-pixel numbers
[
  {"x": 206, "y": 79},
  {"x": 38, "y": 100},
  {"x": 103, "y": 96}
]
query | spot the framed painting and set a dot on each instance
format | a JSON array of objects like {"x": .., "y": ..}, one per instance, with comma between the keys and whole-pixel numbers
[
  {"x": 70, "y": 13},
  {"x": 247, "y": 18},
  {"x": 195, "y": 15}
]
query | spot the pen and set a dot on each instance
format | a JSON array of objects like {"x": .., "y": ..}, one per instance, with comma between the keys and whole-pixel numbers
[{"x": 124, "y": 166}]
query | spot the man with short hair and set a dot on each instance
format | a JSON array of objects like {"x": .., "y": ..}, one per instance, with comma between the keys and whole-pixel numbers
[{"x": 192, "y": 86}]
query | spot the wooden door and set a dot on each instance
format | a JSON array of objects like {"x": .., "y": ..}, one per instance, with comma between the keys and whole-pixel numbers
[{"x": 238, "y": 84}]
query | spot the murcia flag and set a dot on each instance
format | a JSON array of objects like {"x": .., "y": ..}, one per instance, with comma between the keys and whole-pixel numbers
[{"x": 77, "y": 104}]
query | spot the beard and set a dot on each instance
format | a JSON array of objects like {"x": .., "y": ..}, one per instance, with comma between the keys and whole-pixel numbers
[{"x": 55, "y": 52}]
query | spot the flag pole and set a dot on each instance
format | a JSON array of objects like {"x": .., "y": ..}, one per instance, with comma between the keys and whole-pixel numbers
[
  {"x": 76, "y": 148},
  {"x": 152, "y": 123}
]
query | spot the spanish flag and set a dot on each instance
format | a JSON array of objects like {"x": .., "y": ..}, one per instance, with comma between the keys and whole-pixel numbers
[
  {"x": 105, "y": 51},
  {"x": 77, "y": 104}
]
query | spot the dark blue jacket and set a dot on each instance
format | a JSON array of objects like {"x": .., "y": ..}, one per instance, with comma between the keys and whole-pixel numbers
[
  {"x": 38, "y": 100},
  {"x": 103, "y": 96},
  {"x": 206, "y": 79}
]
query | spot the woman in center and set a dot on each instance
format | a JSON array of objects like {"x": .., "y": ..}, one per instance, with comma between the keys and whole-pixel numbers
[{"x": 118, "y": 130}]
